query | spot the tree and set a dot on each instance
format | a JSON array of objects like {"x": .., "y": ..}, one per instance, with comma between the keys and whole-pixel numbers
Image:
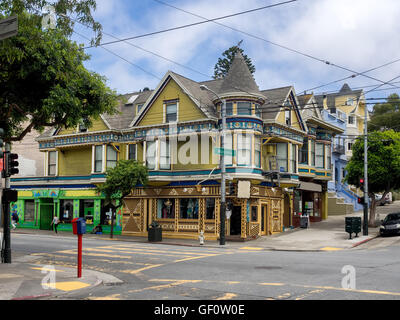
[
  {"x": 383, "y": 166},
  {"x": 44, "y": 83},
  {"x": 386, "y": 115},
  {"x": 222, "y": 67},
  {"x": 80, "y": 9},
  {"x": 120, "y": 181}
]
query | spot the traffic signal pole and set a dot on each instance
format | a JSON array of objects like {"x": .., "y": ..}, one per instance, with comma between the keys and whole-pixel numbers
[
  {"x": 365, "y": 224},
  {"x": 6, "y": 246}
]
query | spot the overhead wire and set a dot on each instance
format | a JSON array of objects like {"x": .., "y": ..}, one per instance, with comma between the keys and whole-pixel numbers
[{"x": 273, "y": 43}]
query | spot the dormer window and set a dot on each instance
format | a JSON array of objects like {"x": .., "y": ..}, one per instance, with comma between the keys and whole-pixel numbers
[
  {"x": 139, "y": 107},
  {"x": 350, "y": 102},
  {"x": 82, "y": 128}
]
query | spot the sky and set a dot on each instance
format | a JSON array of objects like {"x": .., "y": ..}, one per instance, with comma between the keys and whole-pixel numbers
[{"x": 356, "y": 35}]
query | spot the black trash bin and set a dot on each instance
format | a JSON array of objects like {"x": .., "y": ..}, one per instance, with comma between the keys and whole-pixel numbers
[
  {"x": 155, "y": 232},
  {"x": 304, "y": 222}
]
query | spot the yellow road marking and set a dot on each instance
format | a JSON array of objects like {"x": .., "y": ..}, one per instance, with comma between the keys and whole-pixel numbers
[
  {"x": 112, "y": 297},
  {"x": 47, "y": 269},
  {"x": 67, "y": 286},
  {"x": 9, "y": 276},
  {"x": 142, "y": 269},
  {"x": 135, "y": 250},
  {"x": 227, "y": 296},
  {"x": 331, "y": 249},
  {"x": 271, "y": 284},
  {"x": 166, "y": 286},
  {"x": 251, "y": 248}
]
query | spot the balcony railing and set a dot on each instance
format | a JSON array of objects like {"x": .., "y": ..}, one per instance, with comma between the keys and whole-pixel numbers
[{"x": 339, "y": 149}]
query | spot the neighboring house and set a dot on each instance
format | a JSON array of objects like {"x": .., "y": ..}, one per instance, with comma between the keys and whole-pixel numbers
[
  {"x": 348, "y": 107},
  {"x": 315, "y": 160},
  {"x": 174, "y": 131}
]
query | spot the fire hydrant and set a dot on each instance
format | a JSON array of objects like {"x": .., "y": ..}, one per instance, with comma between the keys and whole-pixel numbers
[{"x": 201, "y": 237}]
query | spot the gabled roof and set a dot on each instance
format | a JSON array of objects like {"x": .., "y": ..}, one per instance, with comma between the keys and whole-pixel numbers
[
  {"x": 274, "y": 99},
  {"x": 239, "y": 79},
  {"x": 202, "y": 99}
]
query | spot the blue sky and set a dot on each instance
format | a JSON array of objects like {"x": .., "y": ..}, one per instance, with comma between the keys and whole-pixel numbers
[{"x": 358, "y": 35}]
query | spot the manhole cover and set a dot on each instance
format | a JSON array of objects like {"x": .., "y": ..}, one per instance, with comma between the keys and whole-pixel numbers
[{"x": 268, "y": 268}]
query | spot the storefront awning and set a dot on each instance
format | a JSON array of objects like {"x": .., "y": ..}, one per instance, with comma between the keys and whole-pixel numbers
[{"x": 309, "y": 186}]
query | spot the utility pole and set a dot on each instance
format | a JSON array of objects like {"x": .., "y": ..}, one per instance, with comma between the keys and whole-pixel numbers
[
  {"x": 365, "y": 224},
  {"x": 222, "y": 167}
]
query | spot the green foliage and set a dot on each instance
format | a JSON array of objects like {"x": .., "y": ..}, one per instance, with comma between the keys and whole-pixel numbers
[
  {"x": 383, "y": 162},
  {"x": 386, "y": 116},
  {"x": 43, "y": 82},
  {"x": 221, "y": 69},
  {"x": 122, "y": 179},
  {"x": 80, "y": 10}
]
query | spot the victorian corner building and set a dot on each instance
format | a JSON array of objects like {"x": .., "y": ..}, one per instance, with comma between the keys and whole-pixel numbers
[{"x": 277, "y": 155}]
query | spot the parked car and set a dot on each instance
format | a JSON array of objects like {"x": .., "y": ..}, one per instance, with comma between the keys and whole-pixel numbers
[
  {"x": 378, "y": 197},
  {"x": 391, "y": 224}
]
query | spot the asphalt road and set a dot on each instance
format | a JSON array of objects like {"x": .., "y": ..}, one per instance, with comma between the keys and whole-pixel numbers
[{"x": 159, "y": 272}]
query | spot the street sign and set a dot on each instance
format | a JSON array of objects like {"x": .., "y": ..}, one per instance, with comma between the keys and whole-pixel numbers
[
  {"x": 224, "y": 152},
  {"x": 8, "y": 27}
]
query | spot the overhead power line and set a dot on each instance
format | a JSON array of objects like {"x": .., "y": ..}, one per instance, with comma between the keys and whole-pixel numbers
[
  {"x": 194, "y": 24},
  {"x": 273, "y": 43}
]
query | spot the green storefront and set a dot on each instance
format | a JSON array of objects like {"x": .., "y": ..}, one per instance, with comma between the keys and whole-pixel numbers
[{"x": 36, "y": 209}]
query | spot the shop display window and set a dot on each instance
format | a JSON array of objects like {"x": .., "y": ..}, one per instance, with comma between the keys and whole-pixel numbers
[
  {"x": 189, "y": 208},
  {"x": 166, "y": 209}
]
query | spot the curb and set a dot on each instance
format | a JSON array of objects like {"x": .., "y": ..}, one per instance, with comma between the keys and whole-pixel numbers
[{"x": 364, "y": 241}]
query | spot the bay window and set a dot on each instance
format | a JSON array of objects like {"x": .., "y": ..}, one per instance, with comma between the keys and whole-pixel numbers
[
  {"x": 244, "y": 108},
  {"x": 244, "y": 149},
  {"x": 293, "y": 159},
  {"x": 282, "y": 157},
  {"x": 257, "y": 152},
  {"x": 151, "y": 154},
  {"x": 320, "y": 155},
  {"x": 165, "y": 155}
]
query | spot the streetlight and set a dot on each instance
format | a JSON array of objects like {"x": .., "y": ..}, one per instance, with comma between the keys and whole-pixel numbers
[{"x": 222, "y": 165}]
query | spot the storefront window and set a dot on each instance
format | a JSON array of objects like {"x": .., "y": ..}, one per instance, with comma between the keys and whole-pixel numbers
[
  {"x": 210, "y": 207},
  {"x": 189, "y": 209},
  {"x": 317, "y": 204},
  {"x": 298, "y": 206},
  {"x": 29, "y": 214},
  {"x": 254, "y": 214},
  {"x": 166, "y": 208},
  {"x": 66, "y": 210}
]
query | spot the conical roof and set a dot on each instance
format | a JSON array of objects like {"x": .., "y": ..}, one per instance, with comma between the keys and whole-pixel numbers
[
  {"x": 345, "y": 89},
  {"x": 239, "y": 79}
]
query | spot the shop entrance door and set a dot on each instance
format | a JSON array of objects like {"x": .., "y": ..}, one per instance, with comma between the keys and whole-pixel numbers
[
  {"x": 236, "y": 221},
  {"x": 264, "y": 220},
  {"x": 46, "y": 214}
]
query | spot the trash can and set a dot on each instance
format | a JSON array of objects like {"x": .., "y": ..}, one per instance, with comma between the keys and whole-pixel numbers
[
  {"x": 155, "y": 232},
  {"x": 353, "y": 225},
  {"x": 304, "y": 222}
]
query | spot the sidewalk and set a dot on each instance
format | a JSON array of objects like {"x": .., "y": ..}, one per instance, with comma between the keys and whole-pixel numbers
[{"x": 23, "y": 279}]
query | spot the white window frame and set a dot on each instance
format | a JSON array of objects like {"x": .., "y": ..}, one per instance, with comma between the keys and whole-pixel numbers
[
  {"x": 94, "y": 158},
  {"x": 47, "y": 163},
  {"x": 128, "y": 153}
]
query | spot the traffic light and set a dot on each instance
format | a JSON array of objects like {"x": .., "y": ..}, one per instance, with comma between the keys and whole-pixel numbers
[
  {"x": 361, "y": 200},
  {"x": 231, "y": 190},
  {"x": 11, "y": 165},
  {"x": 1, "y": 142},
  {"x": 362, "y": 184}
]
